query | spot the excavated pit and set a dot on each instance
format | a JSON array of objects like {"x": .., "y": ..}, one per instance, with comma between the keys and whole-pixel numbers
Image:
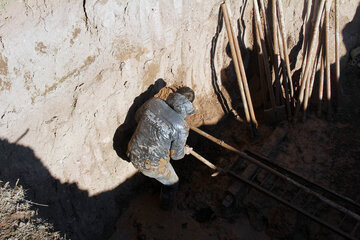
[
  {"x": 321, "y": 151},
  {"x": 65, "y": 140}
]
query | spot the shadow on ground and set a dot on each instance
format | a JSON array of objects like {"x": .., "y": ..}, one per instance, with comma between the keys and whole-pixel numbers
[{"x": 71, "y": 210}]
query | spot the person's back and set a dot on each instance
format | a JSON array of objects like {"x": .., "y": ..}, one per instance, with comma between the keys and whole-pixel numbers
[
  {"x": 158, "y": 127},
  {"x": 161, "y": 134}
]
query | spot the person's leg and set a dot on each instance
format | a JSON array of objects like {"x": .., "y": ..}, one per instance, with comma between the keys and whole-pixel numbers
[
  {"x": 165, "y": 174},
  {"x": 169, "y": 178},
  {"x": 167, "y": 196}
]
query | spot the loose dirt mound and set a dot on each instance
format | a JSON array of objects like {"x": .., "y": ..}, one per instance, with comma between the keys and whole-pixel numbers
[{"x": 18, "y": 219}]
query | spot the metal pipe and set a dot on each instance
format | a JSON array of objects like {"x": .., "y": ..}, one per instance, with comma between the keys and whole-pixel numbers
[
  {"x": 285, "y": 174},
  {"x": 305, "y": 182},
  {"x": 339, "y": 231}
]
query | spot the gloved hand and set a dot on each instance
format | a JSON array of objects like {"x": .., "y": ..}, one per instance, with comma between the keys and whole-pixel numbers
[{"x": 188, "y": 149}]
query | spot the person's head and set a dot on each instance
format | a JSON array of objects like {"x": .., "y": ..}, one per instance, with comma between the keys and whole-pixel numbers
[
  {"x": 187, "y": 92},
  {"x": 181, "y": 101}
]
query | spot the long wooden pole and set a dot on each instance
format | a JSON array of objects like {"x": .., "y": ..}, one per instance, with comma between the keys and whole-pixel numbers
[
  {"x": 206, "y": 162},
  {"x": 310, "y": 58},
  {"x": 321, "y": 51},
  {"x": 284, "y": 80},
  {"x": 337, "y": 54},
  {"x": 261, "y": 65},
  {"x": 310, "y": 82},
  {"x": 318, "y": 67},
  {"x": 236, "y": 63},
  {"x": 242, "y": 70},
  {"x": 312, "y": 69},
  {"x": 284, "y": 43},
  {"x": 215, "y": 140},
  {"x": 327, "y": 55},
  {"x": 266, "y": 29},
  {"x": 305, "y": 39},
  {"x": 263, "y": 52},
  {"x": 307, "y": 92},
  {"x": 261, "y": 68},
  {"x": 321, "y": 82},
  {"x": 276, "y": 53}
]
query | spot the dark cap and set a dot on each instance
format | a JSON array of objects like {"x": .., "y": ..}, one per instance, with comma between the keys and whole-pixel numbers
[{"x": 187, "y": 92}]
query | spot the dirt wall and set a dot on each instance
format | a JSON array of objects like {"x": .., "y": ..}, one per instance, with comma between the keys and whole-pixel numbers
[{"x": 70, "y": 71}]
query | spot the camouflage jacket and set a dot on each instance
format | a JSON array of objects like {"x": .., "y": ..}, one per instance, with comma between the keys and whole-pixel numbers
[{"x": 161, "y": 132}]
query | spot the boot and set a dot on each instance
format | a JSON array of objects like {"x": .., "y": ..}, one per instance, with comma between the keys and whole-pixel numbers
[{"x": 167, "y": 196}]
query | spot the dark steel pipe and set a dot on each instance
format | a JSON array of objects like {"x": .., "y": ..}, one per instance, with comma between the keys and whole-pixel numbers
[
  {"x": 275, "y": 172},
  {"x": 338, "y": 231}
]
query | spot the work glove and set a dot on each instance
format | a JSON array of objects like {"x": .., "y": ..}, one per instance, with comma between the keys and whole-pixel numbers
[{"x": 188, "y": 149}]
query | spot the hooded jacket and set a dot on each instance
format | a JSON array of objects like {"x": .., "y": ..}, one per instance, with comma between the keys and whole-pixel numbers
[{"x": 161, "y": 132}]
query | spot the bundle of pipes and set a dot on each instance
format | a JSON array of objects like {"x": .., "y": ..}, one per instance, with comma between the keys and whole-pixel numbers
[
  {"x": 240, "y": 72},
  {"x": 274, "y": 62}
]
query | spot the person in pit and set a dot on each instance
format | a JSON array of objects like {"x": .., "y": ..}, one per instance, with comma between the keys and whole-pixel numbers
[{"x": 161, "y": 135}]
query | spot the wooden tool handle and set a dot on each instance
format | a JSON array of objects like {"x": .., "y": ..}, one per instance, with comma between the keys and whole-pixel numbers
[
  {"x": 206, "y": 162},
  {"x": 236, "y": 64}
]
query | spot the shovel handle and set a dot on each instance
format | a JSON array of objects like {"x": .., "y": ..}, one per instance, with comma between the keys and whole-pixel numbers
[{"x": 206, "y": 162}]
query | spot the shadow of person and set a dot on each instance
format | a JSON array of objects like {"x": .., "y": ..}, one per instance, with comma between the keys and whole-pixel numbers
[
  {"x": 351, "y": 35},
  {"x": 349, "y": 85},
  {"x": 69, "y": 209},
  {"x": 195, "y": 201},
  {"x": 124, "y": 132}
]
